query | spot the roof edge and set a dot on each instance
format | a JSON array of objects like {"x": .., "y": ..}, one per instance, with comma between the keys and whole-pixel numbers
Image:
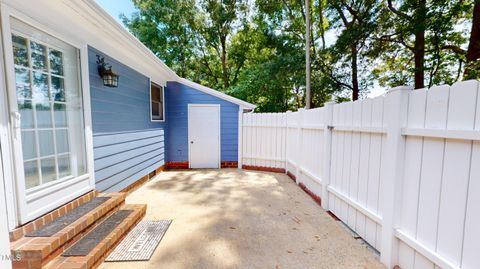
[
  {"x": 116, "y": 26},
  {"x": 210, "y": 91},
  {"x": 148, "y": 53}
]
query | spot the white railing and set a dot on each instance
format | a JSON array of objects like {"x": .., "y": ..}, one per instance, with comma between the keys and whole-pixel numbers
[{"x": 401, "y": 170}]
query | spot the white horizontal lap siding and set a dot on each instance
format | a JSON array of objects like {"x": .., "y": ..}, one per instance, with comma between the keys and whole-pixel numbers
[{"x": 123, "y": 158}]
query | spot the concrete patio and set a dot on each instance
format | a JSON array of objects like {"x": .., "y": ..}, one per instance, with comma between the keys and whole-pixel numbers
[{"x": 231, "y": 218}]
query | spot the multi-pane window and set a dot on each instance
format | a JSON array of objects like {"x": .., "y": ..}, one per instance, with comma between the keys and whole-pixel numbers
[
  {"x": 157, "y": 102},
  {"x": 49, "y": 103}
]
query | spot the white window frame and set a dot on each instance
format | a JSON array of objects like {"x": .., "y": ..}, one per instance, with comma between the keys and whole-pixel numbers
[
  {"x": 15, "y": 209},
  {"x": 163, "y": 100}
]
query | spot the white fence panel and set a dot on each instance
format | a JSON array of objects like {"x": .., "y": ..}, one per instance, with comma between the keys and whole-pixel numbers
[
  {"x": 440, "y": 205},
  {"x": 401, "y": 170},
  {"x": 357, "y": 143},
  {"x": 264, "y": 140},
  {"x": 293, "y": 139},
  {"x": 311, "y": 149}
]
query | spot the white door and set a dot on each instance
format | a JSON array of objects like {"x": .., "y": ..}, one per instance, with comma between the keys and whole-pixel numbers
[
  {"x": 46, "y": 108},
  {"x": 204, "y": 136}
]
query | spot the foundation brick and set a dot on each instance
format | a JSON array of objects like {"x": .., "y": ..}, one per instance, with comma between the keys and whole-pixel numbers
[
  {"x": 263, "y": 168},
  {"x": 315, "y": 197}
]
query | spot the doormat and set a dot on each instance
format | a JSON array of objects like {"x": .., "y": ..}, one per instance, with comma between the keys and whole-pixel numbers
[
  {"x": 141, "y": 242},
  {"x": 94, "y": 237},
  {"x": 61, "y": 222}
]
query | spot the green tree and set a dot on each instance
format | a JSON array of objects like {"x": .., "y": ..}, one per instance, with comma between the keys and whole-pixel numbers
[
  {"x": 472, "y": 68},
  {"x": 167, "y": 27},
  {"x": 254, "y": 49},
  {"x": 193, "y": 37},
  {"x": 419, "y": 37},
  {"x": 356, "y": 21}
]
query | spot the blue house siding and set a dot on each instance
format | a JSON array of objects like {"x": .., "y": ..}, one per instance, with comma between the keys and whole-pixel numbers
[
  {"x": 179, "y": 96},
  {"x": 127, "y": 144}
]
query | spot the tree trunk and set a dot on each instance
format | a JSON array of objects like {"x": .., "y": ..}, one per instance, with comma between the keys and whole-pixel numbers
[
  {"x": 419, "y": 54},
  {"x": 419, "y": 47},
  {"x": 473, "y": 52},
  {"x": 355, "y": 90},
  {"x": 322, "y": 31},
  {"x": 226, "y": 82}
]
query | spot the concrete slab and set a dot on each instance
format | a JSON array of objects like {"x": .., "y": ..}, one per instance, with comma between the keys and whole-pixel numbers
[{"x": 231, "y": 218}]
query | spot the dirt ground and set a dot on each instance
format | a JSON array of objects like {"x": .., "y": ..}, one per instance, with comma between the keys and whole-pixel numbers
[{"x": 231, "y": 218}]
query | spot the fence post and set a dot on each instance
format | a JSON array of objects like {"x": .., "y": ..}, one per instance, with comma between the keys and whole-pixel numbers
[
  {"x": 327, "y": 151},
  {"x": 395, "y": 113},
  {"x": 288, "y": 116},
  {"x": 240, "y": 138},
  {"x": 298, "y": 162}
]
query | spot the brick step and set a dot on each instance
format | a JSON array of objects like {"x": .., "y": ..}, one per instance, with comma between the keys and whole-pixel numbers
[
  {"x": 101, "y": 251},
  {"x": 36, "y": 252}
]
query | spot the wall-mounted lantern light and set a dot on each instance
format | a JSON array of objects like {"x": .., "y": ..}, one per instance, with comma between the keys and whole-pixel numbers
[{"x": 110, "y": 79}]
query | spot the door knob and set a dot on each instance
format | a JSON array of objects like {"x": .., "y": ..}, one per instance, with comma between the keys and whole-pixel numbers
[{"x": 191, "y": 142}]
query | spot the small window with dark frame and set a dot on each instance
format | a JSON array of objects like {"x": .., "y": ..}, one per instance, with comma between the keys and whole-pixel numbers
[{"x": 156, "y": 97}]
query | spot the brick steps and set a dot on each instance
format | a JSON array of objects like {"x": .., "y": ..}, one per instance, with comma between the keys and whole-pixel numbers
[
  {"x": 37, "y": 251},
  {"x": 100, "y": 252},
  {"x": 44, "y": 252}
]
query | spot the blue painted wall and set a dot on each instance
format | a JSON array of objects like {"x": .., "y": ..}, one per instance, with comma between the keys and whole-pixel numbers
[
  {"x": 126, "y": 144},
  {"x": 178, "y": 97}
]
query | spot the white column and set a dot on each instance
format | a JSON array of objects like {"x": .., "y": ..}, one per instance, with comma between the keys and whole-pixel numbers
[
  {"x": 327, "y": 151},
  {"x": 240, "y": 137},
  {"x": 396, "y": 105}
]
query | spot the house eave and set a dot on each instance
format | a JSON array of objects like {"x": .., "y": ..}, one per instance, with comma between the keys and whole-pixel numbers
[
  {"x": 97, "y": 15},
  {"x": 242, "y": 104}
]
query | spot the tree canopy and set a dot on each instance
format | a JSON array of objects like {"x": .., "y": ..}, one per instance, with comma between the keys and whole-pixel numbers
[{"x": 255, "y": 49}]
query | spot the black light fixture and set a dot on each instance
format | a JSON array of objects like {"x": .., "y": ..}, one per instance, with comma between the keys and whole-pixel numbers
[{"x": 110, "y": 79}]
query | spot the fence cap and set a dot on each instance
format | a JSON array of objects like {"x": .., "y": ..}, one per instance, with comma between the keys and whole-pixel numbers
[{"x": 400, "y": 88}]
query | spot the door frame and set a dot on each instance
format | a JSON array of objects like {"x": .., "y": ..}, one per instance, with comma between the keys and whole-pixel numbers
[
  {"x": 4, "y": 226},
  {"x": 5, "y": 139},
  {"x": 13, "y": 155},
  {"x": 219, "y": 132}
]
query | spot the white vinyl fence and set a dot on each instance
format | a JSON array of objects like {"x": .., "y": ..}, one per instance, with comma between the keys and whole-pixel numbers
[{"x": 401, "y": 170}]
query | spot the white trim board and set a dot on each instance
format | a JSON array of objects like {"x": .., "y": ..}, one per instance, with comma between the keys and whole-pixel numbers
[
  {"x": 5, "y": 139},
  {"x": 163, "y": 100},
  {"x": 17, "y": 212},
  {"x": 4, "y": 236},
  {"x": 210, "y": 91}
]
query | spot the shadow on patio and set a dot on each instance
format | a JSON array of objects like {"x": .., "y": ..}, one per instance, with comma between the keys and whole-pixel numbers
[{"x": 231, "y": 218}]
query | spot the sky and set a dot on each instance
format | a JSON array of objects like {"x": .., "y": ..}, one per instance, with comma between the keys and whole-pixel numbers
[{"x": 117, "y": 7}]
